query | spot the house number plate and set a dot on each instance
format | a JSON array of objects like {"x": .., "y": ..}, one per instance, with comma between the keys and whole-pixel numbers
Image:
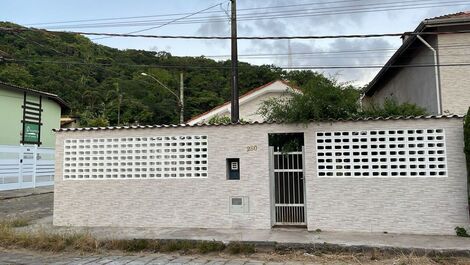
[{"x": 251, "y": 148}]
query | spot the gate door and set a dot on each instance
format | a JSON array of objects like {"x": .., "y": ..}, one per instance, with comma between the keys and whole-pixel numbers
[{"x": 288, "y": 188}]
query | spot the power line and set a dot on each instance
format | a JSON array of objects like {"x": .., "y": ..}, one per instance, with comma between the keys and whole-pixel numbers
[
  {"x": 169, "y": 22},
  {"x": 180, "y": 14},
  {"x": 388, "y": 6},
  {"x": 306, "y": 67},
  {"x": 352, "y": 36},
  {"x": 175, "y": 20},
  {"x": 380, "y": 3}
]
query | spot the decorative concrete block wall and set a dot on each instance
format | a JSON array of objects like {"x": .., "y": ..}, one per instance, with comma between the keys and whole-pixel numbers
[
  {"x": 395, "y": 204},
  {"x": 199, "y": 196},
  {"x": 172, "y": 201}
]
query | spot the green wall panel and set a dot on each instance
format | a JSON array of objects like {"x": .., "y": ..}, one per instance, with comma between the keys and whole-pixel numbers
[{"x": 11, "y": 115}]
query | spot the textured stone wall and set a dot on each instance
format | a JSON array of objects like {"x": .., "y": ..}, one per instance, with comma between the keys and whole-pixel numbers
[
  {"x": 399, "y": 205},
  {"x": 403, "y": 205}
]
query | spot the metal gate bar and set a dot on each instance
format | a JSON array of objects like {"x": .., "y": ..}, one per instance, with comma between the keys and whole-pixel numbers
[{"x": 288, "y": 178}]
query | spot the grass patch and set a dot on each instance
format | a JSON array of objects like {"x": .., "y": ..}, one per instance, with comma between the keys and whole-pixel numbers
[
  {"x": 17, "y": 222},
  {"x": 240, "y": 248},
  {"x": 85, "y": 242}
]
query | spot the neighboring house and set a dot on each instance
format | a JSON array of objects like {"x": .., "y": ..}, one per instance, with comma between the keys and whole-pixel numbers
[
  {"x": 27, "y": 141},
  {"x": 437, "y": 87},
  {"x": 69, "y": 122},
  {"x": 249, "y": 102}
]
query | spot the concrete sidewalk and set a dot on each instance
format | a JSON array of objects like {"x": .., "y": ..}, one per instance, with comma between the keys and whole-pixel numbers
[
  {"x": 11, "y": 194},
  {"x": 279, "y": 236}
]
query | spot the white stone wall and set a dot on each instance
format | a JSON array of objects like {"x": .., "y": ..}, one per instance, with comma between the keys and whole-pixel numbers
[
  {"x": 200, "y": 203},
  {"x": 403, "y": 205},
  {"x": 395, "y": 205}
]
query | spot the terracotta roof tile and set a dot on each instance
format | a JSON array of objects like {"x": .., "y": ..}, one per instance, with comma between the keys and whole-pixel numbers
[{"x": 462, "y": 14}]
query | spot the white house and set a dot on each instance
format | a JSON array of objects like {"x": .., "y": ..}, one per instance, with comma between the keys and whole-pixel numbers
[{"x": 249, "y": 102}]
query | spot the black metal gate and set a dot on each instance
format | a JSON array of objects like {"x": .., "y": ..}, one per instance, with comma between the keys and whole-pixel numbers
[{"x": 288, "y": 187}]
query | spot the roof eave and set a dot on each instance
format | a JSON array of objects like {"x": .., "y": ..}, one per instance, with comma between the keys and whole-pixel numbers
[{"x": 64, "y": 105}]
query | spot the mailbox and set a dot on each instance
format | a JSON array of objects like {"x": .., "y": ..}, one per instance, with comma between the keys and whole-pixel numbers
[{"x": 233, "y": 168}]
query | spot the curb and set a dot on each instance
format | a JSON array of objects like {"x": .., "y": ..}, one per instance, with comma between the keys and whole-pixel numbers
[{"x": 26, "y": 195}]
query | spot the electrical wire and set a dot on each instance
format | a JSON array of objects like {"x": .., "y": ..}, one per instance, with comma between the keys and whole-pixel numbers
[
  {"x": 278, "y": 14},
  {"x": 306, "y": 67},
  {"x": 169, "y": 22},
  {"x": 352, "y": 36},
  {"x": 241, "y": 10}
]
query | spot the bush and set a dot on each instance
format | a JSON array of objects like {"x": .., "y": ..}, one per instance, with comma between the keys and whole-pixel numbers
[
  {"x": 391, "y": 107},
  {"x": 460, "y": 231}
]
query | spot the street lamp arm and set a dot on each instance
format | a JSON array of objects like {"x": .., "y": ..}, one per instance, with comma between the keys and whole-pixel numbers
[{"x": 160, "y": 83}]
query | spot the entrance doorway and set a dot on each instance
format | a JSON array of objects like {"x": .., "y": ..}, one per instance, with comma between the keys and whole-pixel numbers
[{"x": 287, "y": 179}]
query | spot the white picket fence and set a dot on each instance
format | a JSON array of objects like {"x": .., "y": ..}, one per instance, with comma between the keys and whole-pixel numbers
[{"x": 26, "y": 167}]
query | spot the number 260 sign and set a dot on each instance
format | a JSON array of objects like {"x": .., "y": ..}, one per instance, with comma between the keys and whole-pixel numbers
[{"x": 251, "y": 148}]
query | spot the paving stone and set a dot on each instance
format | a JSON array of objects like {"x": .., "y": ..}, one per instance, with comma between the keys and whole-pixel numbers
[
  {"x": 295, "y": 263},
  {"x": 106, "y": 259},
  {"x": 84, "y": 260},
  {"x": 161, "y": 260},
  {"x": 235, "y": 262},
  {"x": 180, "y": 261},
  {"x": 122, "y": 260},
  {"x": 216, "y": 262},
  {"x": 199, "y": 261},
  {"x": 143, "y": 260}
]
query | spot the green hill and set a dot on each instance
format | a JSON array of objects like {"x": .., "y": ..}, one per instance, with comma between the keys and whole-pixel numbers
[{"x": 88, "y": 76}]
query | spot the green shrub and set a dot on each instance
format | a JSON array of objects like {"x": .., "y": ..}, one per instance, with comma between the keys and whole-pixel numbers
[
  {"x": 460, "y": 231},
  {"x": 391, "y": 107}
]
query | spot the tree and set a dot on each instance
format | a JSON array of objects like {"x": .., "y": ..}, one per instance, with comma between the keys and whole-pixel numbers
[
  {"x": 325, "y": 98},
  {"x": 322, "y": 98}
]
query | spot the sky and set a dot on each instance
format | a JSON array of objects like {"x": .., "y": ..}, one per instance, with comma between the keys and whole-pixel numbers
[{"x": 256, "y": 18}]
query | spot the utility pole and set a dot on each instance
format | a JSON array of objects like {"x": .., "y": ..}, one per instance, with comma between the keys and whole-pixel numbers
[
  {"x": 181, "y": 99},
  {"x": 289, "y": 51},
  {"x": 234, "y": 80}
]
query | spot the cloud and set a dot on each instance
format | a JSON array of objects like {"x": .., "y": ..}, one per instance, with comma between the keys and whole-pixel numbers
[
  {"x": 315, "y": 20},
  {"x": 340, "y": 52}
]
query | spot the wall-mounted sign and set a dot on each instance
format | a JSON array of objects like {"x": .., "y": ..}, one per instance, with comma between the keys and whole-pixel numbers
[
  {"x": 32, "y": 112},
  {"x": 31, "y": 132}
]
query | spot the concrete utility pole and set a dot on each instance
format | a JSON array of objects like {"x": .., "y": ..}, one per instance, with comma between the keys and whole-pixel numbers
[
  {"x": 181, "y": 98},
  {"x": 235, "y": 112}
]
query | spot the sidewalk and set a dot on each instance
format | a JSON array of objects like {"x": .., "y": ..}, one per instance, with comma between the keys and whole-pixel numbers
[
  {"x": 11, "y": 194},
  {"x": 288, "y": 237}
]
